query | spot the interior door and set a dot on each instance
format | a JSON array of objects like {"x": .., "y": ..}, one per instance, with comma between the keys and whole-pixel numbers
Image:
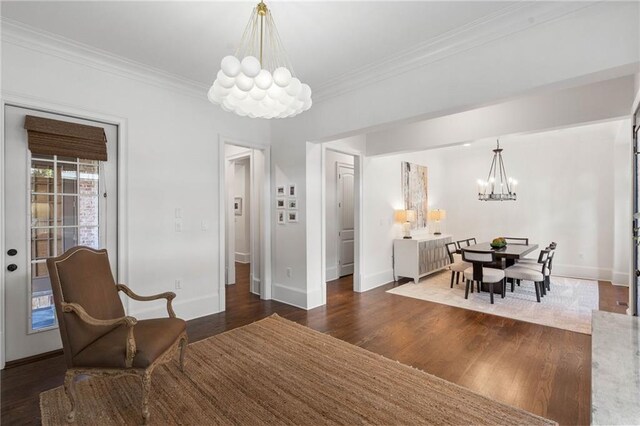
[
  {"x": 345, "y": 219},
  {"x": 52, "y": 203}
]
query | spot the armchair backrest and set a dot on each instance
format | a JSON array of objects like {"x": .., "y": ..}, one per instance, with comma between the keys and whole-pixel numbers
[
  {"x": 82, "y": 275},
  {"x": 451, "y": 250},
  {"x": 478, "y": 259}
]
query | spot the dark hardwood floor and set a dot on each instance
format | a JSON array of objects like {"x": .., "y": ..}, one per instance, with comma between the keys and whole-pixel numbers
[{"x": 543, "y": 370}]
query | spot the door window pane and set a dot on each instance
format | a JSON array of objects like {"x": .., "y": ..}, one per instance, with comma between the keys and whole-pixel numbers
[
  {"x": 88, "y": 210},
  {"x": 42, "y": 243},
  {"x": 68, "y": 178},
  {"x": 67, "y": 238},
  {"x": 68, "y": 210},
  {"x": 89, "y": 236},
  {"x": 42, "y": 306},
  {"x": 88, "y": 179},
  {"x": 42, "y": 176},
  {"x": 42, "y": 210}
]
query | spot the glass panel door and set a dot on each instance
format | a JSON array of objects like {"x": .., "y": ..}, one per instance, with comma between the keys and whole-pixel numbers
[{"x": 65, "y": 212}]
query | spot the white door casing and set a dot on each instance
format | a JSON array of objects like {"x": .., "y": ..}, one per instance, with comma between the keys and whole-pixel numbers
[
  {"x": 20, "y": 340},
  {"x": 346, "y": 220}
]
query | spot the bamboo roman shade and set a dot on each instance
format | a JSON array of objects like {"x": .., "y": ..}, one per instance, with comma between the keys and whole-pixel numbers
[{"x": 54, "y": 137}]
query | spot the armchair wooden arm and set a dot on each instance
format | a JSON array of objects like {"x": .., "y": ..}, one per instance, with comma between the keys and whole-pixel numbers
[
  {"x": 126, "y": 320},
  {"x": 169, "y": 295}
]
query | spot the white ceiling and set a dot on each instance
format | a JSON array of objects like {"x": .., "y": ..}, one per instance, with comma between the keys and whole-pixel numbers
[{"x": 188, "y": 39}]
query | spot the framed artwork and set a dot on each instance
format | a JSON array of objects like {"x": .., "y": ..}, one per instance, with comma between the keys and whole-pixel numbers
[
  {"x": 292, "y": 216},
  {"x": 414, "y": 190},
  {"x": 281, "y": 217},
  {"x": 291, "y": 190},
  {"x": 292, "y": 204},
  {"x": 280, "y": 203},
  {"x": 280, "y": 192},
  {"x": 237, "y": 206}
]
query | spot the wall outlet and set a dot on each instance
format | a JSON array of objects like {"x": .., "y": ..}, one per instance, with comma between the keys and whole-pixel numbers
[
  {"x": 178, "y": 225},
  {"x": 204, "y": 225},
  {"x": 178, "y": 213},
  {"x": 178, "y": 284},
  {"x": 288, "y": 272}
]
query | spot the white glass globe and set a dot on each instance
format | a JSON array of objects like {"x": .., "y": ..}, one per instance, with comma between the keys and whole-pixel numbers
[
  {"x": 230, "y": 65},
  {"x": 282, "y": 76},
  {"x": 264, "y": 80},
  {"x": 244, "y": 83},
  {"x": 224, "y": 80},
  {"x": 250, "y": 66}
]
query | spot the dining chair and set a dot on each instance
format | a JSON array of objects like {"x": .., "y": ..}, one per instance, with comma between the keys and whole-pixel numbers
[
  {"x": 517, "y": 240},
  {"x": 458, "y": 266},
  {"x": 477, "y": 273},
  {"x": 547, "y": 278},
  {"x": 530, "y": 272}
]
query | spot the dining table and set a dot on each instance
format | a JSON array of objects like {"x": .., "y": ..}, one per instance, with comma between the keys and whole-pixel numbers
[{"x": 511, "y": 253}]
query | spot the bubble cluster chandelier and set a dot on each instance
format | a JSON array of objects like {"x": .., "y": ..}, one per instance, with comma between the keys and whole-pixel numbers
[
  {"x": 498, "y": 186},
  {"x": 258, "y": 81}
]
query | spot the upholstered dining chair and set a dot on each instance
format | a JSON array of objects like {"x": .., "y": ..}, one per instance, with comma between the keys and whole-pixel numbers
[
  {"x": 547, "y": 271},
  {"x": 456, "y": 266},
  {"x": 478, "y": 273},
  {"x": 514, "y": 240},
  {"x": 530, "y": 272},
  {"x": 97, "y": 337}
]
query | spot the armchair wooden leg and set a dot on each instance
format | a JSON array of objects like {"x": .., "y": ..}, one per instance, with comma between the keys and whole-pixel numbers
[
  {"x": 146, "y": 389},
  {"x": 491, "y": 292},
  {"x": 183, "y": 349},
  {"x": 457, "y": 277},
  {"x": 504, "y": 287},
  {"x": 453, "y": 274},
  {"x": 70, "y": 390},
  {"x": 466, "y": 289},
  {"x": 537, "y": 291}
]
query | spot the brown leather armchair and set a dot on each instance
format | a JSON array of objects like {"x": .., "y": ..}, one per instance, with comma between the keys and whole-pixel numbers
[{"x": 97, "y": 337}]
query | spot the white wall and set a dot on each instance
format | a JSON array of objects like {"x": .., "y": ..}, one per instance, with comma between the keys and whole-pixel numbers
[
  {"x": 332, "y": 159},
  {"x": 591, "y": 44},
  {"x": 569, "y": 192},
  {"x": 171, "y": 149},
  {"x": 242, "y": 228}
]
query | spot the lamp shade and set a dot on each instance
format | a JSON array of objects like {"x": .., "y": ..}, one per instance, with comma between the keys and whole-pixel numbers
[
  {"x": 400, "y": 216},
  {"x": 437, "y": 214}
]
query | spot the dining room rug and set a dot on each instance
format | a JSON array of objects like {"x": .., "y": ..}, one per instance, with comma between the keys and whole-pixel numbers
[
  {"x": 567, "y": 306},
  {"x": 278, "y": 372}
]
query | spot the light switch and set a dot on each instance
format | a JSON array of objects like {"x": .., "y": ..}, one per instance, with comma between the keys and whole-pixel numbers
[
  {"x": 178, "y": 213},
  {"x": 204, "y": 225}
]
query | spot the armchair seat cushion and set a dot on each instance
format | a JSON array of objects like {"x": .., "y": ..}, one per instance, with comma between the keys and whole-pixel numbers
[
  {"x": 153, "y": 337},
  {"x": 460, "y": 266}
]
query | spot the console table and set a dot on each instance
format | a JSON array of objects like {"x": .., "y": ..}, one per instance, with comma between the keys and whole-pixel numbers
[{"x": 418, "y": 257}]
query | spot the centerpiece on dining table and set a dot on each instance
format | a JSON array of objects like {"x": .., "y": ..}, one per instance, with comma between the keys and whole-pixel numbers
[{"x": 498, "y": 243}]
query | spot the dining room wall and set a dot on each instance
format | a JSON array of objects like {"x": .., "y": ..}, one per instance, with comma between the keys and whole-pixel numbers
[{"x": 570, "y": 191}]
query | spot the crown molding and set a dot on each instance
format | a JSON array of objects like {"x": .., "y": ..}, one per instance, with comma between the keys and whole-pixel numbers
[
  {"x": 38, "y": 40},
  {"x": 503, "y": 23}
]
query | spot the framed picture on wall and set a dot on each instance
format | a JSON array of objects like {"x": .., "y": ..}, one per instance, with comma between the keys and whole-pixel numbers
[
  {"x": 291, "y": 190},
  {"x": 237, "y": 206},
  {"x": 292, "y": 204},
  {"x": 280, "y": 203},
  {"x": 281, "y": 217},
  {"x": 280, "y": 192},
  {"x": 292, "y": 216}
]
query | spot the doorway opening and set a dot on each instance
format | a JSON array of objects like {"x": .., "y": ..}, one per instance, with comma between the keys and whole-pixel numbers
[
  {"x": 246, "y": 251},
  {"x": 341, "y": 201}
]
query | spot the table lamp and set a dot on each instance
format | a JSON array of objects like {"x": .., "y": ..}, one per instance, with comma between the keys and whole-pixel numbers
[
  {"x": 405, "y": 217},
  {"x": 437, "y": 215}
]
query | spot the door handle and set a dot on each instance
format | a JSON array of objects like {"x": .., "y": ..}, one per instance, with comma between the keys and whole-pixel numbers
[{"x": 12, "y": 267}]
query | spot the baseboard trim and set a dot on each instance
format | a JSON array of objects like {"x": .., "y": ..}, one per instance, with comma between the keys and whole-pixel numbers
[
  {"x": 620, "y": 278},
  {"x": 378, "y": 279},
  {"x": 289, "y": 295},
  {"x": 196, "y": 307},
  {"x": 243, "y": 257}
]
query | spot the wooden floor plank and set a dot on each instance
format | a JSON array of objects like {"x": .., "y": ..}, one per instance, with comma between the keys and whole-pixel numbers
[{"x": 543, "y": 370}]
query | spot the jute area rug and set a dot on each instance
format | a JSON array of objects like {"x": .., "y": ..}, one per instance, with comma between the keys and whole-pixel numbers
[
  {"x": 274, "y": 372},
  {"x": 568, "y": 305}
]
